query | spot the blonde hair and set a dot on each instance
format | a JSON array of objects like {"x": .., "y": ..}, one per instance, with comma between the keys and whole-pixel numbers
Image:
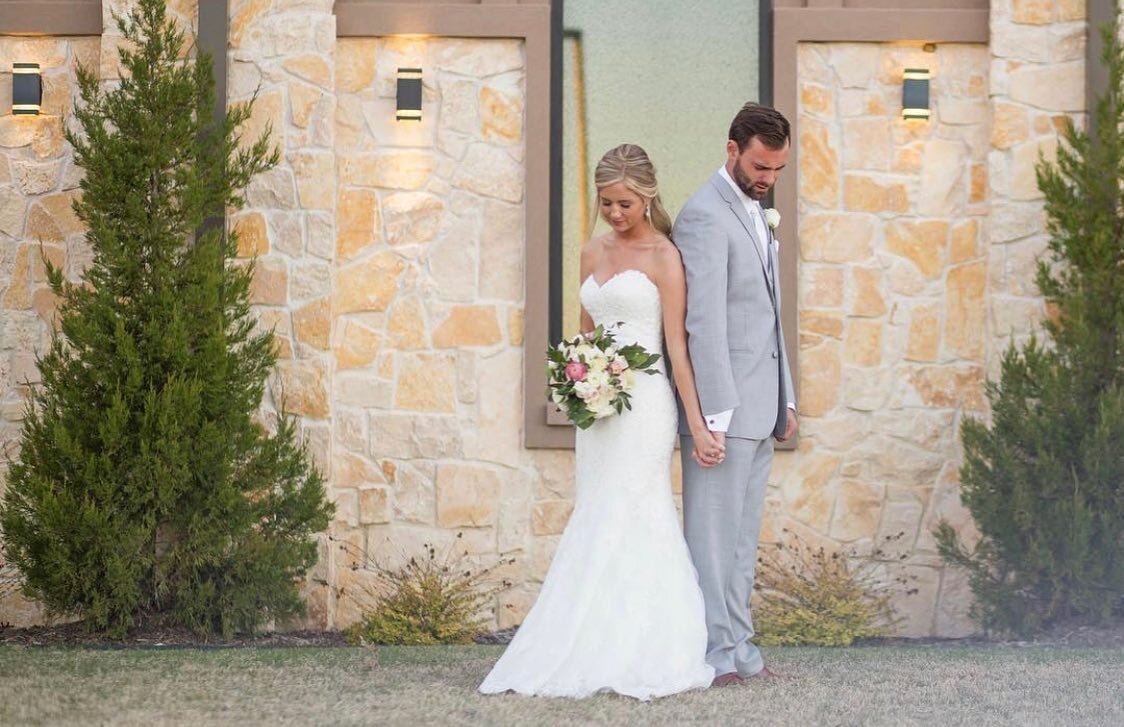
[{"x": 629, "y": 164}]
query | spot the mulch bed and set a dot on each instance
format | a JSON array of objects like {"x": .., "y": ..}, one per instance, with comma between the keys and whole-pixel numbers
[{"x": 160, "y": 637}]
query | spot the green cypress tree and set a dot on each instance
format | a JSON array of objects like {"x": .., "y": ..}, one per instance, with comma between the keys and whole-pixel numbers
[
  {"x": 144, "y": 489},
  {"x": 1045, "y": 483}
]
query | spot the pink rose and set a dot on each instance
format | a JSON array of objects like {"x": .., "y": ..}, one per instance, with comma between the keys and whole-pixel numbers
[
  {"x": 617, "y": 365},
  {"x": 576, "y": 371}
]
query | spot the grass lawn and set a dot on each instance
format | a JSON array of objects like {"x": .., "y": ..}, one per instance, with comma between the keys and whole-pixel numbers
[{"x": 887, "y": 685}]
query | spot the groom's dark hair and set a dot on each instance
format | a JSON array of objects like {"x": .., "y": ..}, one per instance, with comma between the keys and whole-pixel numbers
[{"x": 766, "y": 123}]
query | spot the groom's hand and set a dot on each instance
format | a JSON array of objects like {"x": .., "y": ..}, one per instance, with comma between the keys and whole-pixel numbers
[
  {"x": 710, "y": 449},
  {"x": 790, "y": 428}
]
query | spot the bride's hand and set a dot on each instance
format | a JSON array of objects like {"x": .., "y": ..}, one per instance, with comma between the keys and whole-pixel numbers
[{"x": 710, "y": 447}]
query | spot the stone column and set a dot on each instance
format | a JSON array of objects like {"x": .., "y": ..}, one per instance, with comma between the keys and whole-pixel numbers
[{"x": 284, "y": 52}]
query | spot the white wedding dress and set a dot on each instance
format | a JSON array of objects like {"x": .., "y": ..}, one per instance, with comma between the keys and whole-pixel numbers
[{"x": 620, "y": 609}]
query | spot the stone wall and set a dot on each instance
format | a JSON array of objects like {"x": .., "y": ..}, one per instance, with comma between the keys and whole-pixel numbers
[{"x": 390, "y": 261}]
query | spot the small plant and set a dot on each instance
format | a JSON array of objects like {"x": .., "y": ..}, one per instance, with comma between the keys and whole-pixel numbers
[
  {"x": 811, "y": 597},
  {"x": 431, "y": 599}
]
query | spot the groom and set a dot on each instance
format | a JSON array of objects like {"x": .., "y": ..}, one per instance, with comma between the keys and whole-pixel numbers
[{"x": 742, "y": 375}]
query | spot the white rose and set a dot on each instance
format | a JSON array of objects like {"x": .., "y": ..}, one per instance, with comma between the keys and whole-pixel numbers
[
  {"x": 584, "y": 389},
  {"x": 598, "y": 363},
  {"x": 628, "y": 380},
  {"x": 586, "y": 351},
  {"x": 772, "y": 218},
  {"x": 596, "y": 379}
]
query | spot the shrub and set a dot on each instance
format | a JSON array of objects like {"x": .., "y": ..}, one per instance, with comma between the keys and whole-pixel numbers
[
  {"x": 144, "y": 489},
  {"x": 1043, "y": 478},
  {"x": 809, "y": 597},
  {"x": 430, "y": 599}
]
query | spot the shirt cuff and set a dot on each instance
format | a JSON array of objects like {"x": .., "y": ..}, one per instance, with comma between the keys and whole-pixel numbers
[
  {"x": 719, "y": 422},
  {"x": 792, "y": 405}
]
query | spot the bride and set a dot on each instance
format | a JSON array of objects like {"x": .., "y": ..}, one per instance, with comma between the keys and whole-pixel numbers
[{"x": 620, "y": 609}]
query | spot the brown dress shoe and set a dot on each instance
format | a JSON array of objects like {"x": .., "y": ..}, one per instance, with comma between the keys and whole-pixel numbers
[{"x": 728, "y": 679}]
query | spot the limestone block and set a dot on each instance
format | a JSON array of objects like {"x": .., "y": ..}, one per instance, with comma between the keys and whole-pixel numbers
[
  {"x": 426, "y": 383},
  {"x": 857, "y": 510},
  {"x": 1015, "y": 220},
  {"x": 449, "y": 260},
  {"x": 836, "y": 238},
  {"x": 349, "y": 429},
  {"x": 515, "y": 326},
  {"x": 866, "y": 144},
  {"x": 478, "y": 58},
  {"x": 373, "y": 506},
  {"x": 820, "y": 373},
  {"x": 501, "y": 115},
  {"x": 922, "y": 243},
  {"x": 311, "y": 68},
  {"x": 821, "y": 286},
  {"x": 959, "y": 387},
  {"x": 908, "y": 158},
  {"x": 358, "y": 346},
  {"x": 352, "y": 472},
  {"x": 1034, "y": 12},
  {"x": 17, "y": 296},
  {"x": 555, "y": 473},
  {"x": 270, "y": 285},
  {"x": 357, "y": 221},
  {"x": 1071, "y": 10},
  {"x": 243, "y": 15},
  {"x": 866, "y": 299},
  {"x": 498, "y": 433},
  {"x": 1024, "y": 161},
  {"x": 36, "y": 178},
  {"x": 502, "y": 241},
  {"x": 514, "y": 606},
  {"x": 824, "y": 323},
  {"x": 549, "y": 517},
  {"x": 396, "y": 169},
  {"x": 315, "y": 173},
  {"x": 924, "y": 333},
  {"x": 966, "y": 312},
  {"x": 274, "y": 189},
  {"x": 810, "y": 495},
  {"x": 303, "y": 387},
  {"x": 855, "y": 64},
  {"x": 866, "y": 389},
  {"x": 312, "y": 324},
  {"x": 467, "y": 495},
  {"x": 898, "y": 527},
  {"x": 903, "y": 277},
  {"x": 916, "y": 601},
  {"x": 840, "y": 431},
  {"x": 368, "y": 285},
  {"x": 977, "y": 191},
  {"x": 953, "y": 617},
  {"x": 491, "y": 172},
  {"x": 52, "y": 218},
  {"x": 268, "y": 114},
  {"x": 309, "y": 279},
  {"x": 13, "y": 206},
  {"x": 863, "y": 193},
  {"x": 253, "y": 237},
  {"x": 816, "y": 100},
  {"x": 819, "y": 165},
  {"x": 940, "y": 192},
  {"x": 863, "y": 343},
  {"x": 407, "y": 326},
  {"x": 321, "y": 235},
  {"x": 412, "y": 217},
  {"x": 355, "y": 64},
  {"x": 415, "y": 495},
  {"x": 1054, "y": 87},
  {"x": 466, "y": 325}
]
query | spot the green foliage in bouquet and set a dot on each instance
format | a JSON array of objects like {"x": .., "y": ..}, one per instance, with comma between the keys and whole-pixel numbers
[
  {"x": 1043, "y": 479},
  {"x": 144, "y": 490},
  {"x": 432, "y": 599},
  {"x": 808, "y": 597},
  {"x": 589, "y": 377}
]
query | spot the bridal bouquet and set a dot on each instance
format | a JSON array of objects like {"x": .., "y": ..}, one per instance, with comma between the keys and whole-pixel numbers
[{"x": 589, "y": 376}]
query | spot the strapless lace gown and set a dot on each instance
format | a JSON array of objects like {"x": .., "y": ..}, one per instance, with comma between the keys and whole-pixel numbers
[{"x": 620, "y": 609}]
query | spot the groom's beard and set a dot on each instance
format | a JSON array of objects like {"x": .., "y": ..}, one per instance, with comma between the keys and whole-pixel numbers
[{"x": 746, "y": 184}]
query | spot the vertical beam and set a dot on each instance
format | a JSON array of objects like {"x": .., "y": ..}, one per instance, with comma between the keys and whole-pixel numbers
[
  {"x": 212, "y": 37},
  {"x": 1100, "y": 13},
  {"x": 765, "y": 53}
]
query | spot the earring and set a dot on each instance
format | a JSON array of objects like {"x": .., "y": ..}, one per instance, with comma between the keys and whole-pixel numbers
[{"x": 647, "y": 211}]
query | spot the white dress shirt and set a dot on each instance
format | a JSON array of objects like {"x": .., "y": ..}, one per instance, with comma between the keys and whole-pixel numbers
[{"x": 720, "y": 421}]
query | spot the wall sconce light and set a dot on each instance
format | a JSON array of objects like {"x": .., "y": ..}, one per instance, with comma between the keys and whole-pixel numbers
[
  {"x": 409, "y": 94},
  {"x": 27, "y": 88},
  {"x": 915, "y": 94}
]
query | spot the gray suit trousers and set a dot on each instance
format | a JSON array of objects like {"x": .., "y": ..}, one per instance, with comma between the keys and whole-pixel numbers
[{"x": 722, "y": 511}]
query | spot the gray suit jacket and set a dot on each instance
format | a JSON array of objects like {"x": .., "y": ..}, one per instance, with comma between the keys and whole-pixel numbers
[{"x": 733, "y": 314}]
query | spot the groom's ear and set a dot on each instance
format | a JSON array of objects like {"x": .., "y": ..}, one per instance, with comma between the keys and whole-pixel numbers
[{"x": 732, "y": 149}]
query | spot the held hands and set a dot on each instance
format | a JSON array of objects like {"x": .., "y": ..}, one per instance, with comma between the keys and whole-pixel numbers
[{"x": 710, "y": 448}]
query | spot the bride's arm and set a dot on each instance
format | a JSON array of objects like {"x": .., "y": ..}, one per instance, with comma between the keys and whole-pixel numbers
[{"x": 672, "y": 282}]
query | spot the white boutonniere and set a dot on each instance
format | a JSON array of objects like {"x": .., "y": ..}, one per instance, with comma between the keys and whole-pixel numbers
[{"x": 772, "y": 218}]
